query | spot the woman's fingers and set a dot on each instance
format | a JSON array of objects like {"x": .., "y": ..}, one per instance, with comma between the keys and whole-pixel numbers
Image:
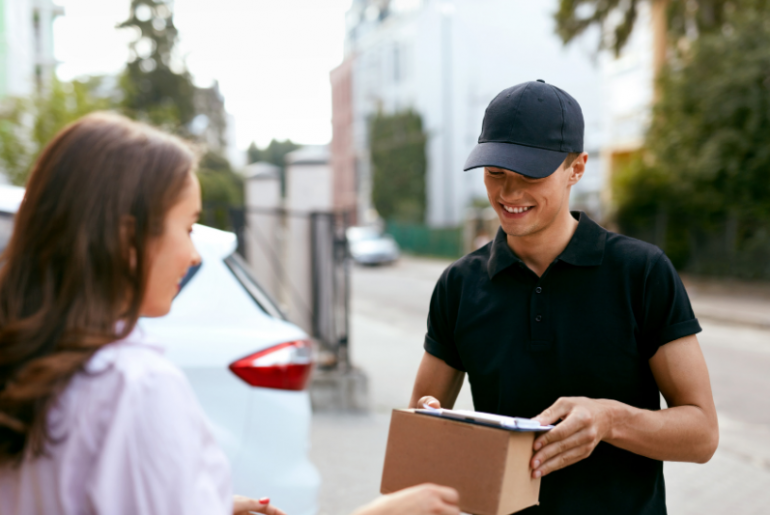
[
  {"x": 447, "y": 494},
  {"x": 245, "y": 505},
  {"x": 427, "y": 499}
]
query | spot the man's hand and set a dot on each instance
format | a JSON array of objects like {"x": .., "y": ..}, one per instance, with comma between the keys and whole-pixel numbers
[
  {"x": 243, "y": 506},
  {"x": 585, "y": 423},
  {"x": 430, "y": 401},
  {"x": 424, "y": 499},
  {"x": 438, "y": 379}
]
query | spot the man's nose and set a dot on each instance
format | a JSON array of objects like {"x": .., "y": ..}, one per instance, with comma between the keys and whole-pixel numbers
[{"x": 512, "y": 186}]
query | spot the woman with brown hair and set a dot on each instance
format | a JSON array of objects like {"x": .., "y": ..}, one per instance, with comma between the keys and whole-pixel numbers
[{"x": 93, "y": 418}]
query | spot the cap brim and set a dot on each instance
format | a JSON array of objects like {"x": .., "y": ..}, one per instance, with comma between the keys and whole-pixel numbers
[{"x": 529, "y": 161}]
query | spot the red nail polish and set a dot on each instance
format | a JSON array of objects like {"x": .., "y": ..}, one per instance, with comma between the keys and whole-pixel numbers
[{"x": 264, "y": 500}]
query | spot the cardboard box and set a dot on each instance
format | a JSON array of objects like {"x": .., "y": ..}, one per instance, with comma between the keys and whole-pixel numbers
[{"x": 488, "y": 466}]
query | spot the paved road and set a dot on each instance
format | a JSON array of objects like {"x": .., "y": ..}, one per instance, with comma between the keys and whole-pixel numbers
[{"x": 389, "y": 309}]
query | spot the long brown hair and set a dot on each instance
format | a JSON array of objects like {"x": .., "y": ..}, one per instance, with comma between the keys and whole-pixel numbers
[{"x": 76, "y": 264}]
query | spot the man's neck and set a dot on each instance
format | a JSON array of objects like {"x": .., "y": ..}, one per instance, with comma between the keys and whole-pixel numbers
[{"x": 538, "y": 250}]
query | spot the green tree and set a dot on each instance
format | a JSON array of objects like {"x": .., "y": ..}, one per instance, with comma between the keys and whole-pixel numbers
[
  {"x": 156, "y": 86},
  {"x": 221, "y": 189},
  {"x": 701, "y": 184},
  {"x": 28, "y": 124},
  {"x": 397, "y": 145},
  {"x": 616, "y": 18},
  {"x": 275, "y": 153}
]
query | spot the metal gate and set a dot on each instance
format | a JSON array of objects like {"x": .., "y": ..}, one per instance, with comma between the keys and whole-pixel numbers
[
  {"x": 331, "y": 283},
  {"x": 324, "y": 300}
]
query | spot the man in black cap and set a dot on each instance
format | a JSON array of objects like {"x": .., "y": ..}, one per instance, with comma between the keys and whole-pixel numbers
[{"x": 562, "y": 320}]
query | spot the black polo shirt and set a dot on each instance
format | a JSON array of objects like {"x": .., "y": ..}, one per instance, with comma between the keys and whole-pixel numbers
[{"x": 587, "y": 328}]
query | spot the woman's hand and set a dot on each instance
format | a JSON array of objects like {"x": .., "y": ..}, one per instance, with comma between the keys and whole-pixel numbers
[
  {"x": 424, "y": 499},
  {"x": 243, "y": 506}
]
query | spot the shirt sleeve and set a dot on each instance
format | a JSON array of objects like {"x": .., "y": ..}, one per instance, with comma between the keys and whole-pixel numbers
[
  {"x": 439, "y": 341},
  {"x": 158, "y": 456},
  {"x": 668, "y": 314}
]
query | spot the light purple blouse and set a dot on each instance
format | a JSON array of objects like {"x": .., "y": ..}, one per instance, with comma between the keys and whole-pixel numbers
[{"x": 132, "y": 439}]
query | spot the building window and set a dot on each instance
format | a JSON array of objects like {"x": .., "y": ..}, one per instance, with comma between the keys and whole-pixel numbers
[{"x": 36, "y": 32}]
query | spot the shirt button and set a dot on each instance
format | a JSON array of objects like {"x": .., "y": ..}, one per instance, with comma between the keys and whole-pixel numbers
[
  {"x": 538, "y": 290},
  {"x": 538, "y": 318}
]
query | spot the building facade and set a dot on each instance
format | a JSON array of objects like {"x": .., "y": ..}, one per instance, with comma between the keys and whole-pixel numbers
[
  {"x": 26, "y": 45},
  {"x": 446, "y": 60}
]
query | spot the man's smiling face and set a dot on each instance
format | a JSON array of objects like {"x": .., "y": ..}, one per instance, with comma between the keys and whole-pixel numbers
[{"x": 526, "y": 206}]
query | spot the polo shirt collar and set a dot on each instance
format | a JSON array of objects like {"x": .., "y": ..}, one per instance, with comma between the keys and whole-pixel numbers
[{"x": 586, "y": 248}]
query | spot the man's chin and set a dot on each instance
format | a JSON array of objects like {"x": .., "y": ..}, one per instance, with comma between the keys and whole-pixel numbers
[{"x": 519, "y": 230}]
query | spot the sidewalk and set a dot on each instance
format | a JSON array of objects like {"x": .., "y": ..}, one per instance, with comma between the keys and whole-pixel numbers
[{"x": 730, "y": 301}]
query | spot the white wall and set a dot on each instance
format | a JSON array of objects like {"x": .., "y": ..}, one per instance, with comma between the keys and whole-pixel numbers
[
  {"x": 264, "y": 229},
  {"x": 26, "y": 48},
  {"x": 308, "y": 189}
]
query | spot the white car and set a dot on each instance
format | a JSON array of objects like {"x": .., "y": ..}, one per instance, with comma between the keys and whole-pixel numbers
[
  {"x": 369, "y": 246},
  {"x": 247, "y": 365}
]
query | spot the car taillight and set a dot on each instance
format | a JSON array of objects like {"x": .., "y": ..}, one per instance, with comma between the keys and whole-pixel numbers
[{"x": 286, "y": 366}]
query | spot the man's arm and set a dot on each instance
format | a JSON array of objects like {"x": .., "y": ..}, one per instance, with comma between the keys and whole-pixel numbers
[
  {"x": 686, "y": 431},
  {"x": 436, "y": 381}
]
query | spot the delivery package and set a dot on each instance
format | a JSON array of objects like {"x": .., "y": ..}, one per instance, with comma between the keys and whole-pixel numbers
[{"x": 485, "y": 457}]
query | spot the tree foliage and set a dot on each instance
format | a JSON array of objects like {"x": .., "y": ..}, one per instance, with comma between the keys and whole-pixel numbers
[
  {"x": 397, "y": 144},
  {"x": 221, "y": 189},
  {"x": 28, "y": 124},
  {"x": 156, "y": 86},
  {"x": 275, "y": 152},
  {"x": 702, "y": 181},
  {"x": 686, "y": 19}
]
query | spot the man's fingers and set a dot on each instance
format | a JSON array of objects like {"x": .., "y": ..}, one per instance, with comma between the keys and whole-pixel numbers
[
  {"x": 583, "y": 437},
  {"x": 430, "y": 401},
  {"x": 563, "y": 460},
  {"x": 558, "y": 433},
  {"x": 555, "y": 412}
]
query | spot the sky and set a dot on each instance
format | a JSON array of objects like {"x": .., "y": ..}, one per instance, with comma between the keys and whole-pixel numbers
[{"x": 271, "y": 57}]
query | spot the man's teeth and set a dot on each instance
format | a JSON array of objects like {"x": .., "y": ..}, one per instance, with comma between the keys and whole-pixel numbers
[{"x": 516, "y": 209}]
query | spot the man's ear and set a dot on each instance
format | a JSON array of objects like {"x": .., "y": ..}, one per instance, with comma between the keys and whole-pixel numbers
[{"x": 578, "y": 168}]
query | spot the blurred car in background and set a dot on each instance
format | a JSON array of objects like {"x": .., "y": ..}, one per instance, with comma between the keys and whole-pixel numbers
[
  {"x": 247, "y": 365},
  {"x": 369, "y": 246}
]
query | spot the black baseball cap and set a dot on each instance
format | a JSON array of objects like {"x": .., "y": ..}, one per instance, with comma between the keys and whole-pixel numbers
[{"x": 529, "y": 129}]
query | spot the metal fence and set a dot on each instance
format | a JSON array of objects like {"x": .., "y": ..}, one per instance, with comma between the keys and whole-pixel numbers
[
  {"x": 311, "y": 270},
  {"x": 427, "y": 241},
  {"x": 724, "y": 249}
]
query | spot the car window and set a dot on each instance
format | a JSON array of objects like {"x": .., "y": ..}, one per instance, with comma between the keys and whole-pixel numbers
[
  {"x": 362, "y": 234},
  {"x": 240, "y": 270},
  {"x": 6, "y": 229}
]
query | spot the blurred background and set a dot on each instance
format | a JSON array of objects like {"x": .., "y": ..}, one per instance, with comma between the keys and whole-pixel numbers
[{"x": 332, "y": 135}]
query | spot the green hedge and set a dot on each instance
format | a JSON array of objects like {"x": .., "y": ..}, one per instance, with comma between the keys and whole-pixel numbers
[{"x": 425, "y": 241}]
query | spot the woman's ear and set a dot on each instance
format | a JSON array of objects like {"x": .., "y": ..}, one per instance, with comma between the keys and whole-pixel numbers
[{"x": 127, "y": 237}]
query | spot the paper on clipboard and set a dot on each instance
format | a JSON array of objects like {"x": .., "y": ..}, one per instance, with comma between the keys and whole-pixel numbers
[{"x": 490, "y": 419}]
